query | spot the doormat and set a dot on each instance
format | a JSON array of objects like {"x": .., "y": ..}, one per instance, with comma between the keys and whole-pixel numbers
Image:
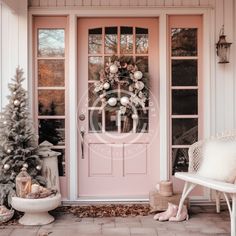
[{"x": 111, "y": 210}]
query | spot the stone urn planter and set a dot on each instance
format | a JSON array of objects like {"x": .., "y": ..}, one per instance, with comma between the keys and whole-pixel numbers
[{"x": 36, "y": 210}]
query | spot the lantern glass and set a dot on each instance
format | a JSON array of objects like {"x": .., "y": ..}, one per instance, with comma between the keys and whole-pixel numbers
[
  {"x": 23, "y": 183},
  {"x": 223, "y": 49}
]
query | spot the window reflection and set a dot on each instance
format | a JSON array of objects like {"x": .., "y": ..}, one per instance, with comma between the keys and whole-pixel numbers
[
  {"x": 111, "y": 119},
  {"x": 95, "y": 41},
  {"x": 141, "y": 40},
  {"x": 111, "y": 40},
  {"x": 52, "y": 130},
  {"x": 180, "y": 160},
  {"x": 184, "y": 42},
  {"x": 143, "y": 123},
  {"x": 95, "y": 120},
  {"x": 126, "y": 124},
  {"x": 184, "y": 131},
  {"x": 184, "y": 73},
  {"x": 51, "y": 43},
  {"x": 51, "y": 73},
  {"x": 51, "y": 102},
  {"x": 126, "y": 40},
  {"x": 185, "y": 102},
  {"x": 142, "y": 63},
  {"x": 95, "y": 66}
]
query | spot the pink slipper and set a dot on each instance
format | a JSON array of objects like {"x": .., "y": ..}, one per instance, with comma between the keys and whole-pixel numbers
[
  {"x": 182, "y": 216},
  {"x": 170, "y": 212},
  {"x": 156, "y": 217}
]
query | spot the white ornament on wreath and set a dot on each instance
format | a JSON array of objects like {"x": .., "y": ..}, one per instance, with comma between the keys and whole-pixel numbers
[
  {"x": 38, "y": 167},
  {"x": 4, "y": 122},
  {"x": 106, "y": 86},
  {"x": 6, "y": 167},
  {"x": 112, "y": 102},
  {"x": 113, "y": 69},
  {"x": 25, "y": 165},
  {"x": 138, "y": 75},
  {"x": 8, "y": 150},
  {"x": 124, "y": 101},
  {"x": 139, "y": 85}
]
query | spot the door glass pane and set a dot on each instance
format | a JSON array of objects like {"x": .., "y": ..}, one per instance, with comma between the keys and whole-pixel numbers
[
  {"x": 184, "y": 131},
  {"x": 111, "y": 40},
  {"x": 184, "y": 41},
  {"x": 141, "y": 40},
  {"x": 95, "y": 120},
  {"x": 184, "y": 102},
  {"x": 51, "y": 73},
  {"x": 52, "y": 130},
  {"x": 180, "y": 160},
  {"x": 61, "y": 162},
  {"x": 142, "y": 63},
  {"x": 51, "y": 42},
  {"x": 51, "y": 102},
  {"x": 111, "y": 119},
  {"x": 184, "y": 73},
  {"x": 94, "y": 99},
  {"x": 95, "y": 65},
  {"x": 95, "y": 41},
  {"x": 126, "y": 124},
  {"x": 126, "y": 40},
  {"x": 142, "y": 121}
]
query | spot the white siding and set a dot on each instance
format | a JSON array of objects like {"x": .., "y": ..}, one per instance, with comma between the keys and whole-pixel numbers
[{"x": 13, "y": 45}]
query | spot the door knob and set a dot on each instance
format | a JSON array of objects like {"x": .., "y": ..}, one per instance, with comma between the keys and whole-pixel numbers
[{"x": 82, "y": 117}]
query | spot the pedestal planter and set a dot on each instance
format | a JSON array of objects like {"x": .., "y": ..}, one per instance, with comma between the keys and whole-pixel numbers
[{"x": 36, "y": 210}]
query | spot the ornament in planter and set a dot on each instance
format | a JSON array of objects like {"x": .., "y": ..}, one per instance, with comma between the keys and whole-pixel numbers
[
  {"x": 23, "y": 183},
  {"x": 5, "y": 214}
]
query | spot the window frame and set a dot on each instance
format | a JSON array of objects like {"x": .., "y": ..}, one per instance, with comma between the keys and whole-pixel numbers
[
  {"x": 195, "y": 22},
  {"x": 52, "y": 22}
]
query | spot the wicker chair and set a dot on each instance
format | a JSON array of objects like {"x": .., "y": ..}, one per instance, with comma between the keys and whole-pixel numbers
[{"x": 192, "y": 179}]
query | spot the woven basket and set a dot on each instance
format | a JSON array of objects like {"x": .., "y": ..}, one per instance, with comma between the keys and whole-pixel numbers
[
  {"x": 6, "y": 216},
  {"x": 160, "y": 203}
]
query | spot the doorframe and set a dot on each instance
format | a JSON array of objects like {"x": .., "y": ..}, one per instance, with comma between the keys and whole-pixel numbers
[{"x": 208, "y": 67}]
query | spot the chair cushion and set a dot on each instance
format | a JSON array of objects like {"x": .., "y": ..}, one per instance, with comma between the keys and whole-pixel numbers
[{"x": 219, "y": 160}]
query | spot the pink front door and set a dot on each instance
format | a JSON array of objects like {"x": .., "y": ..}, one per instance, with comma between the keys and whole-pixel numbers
[{"x": 116, "y": 157}]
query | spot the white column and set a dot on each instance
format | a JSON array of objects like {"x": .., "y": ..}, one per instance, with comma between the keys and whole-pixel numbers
[
  {"x": 164, "y": 101},
  {"x": 72, "y": 90}
]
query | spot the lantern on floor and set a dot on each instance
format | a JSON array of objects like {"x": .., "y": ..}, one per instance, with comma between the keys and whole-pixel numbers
[
  {"x": 23, "y": 183},
  {"x": 223, "y": 48}
]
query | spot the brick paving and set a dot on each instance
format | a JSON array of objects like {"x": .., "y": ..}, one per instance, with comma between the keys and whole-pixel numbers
[{"x": 203, "y": 221}]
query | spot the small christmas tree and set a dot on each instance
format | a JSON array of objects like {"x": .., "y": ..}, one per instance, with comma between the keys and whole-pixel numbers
[{"x": 18, "y": 141}]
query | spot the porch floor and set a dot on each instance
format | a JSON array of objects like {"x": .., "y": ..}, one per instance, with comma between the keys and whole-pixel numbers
[{"x": 203, "y": 221}]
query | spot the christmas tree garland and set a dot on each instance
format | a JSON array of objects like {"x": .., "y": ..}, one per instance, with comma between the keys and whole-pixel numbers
[{"x": 125, "y": 73}]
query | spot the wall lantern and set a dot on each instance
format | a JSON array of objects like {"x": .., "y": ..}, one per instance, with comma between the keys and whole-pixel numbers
[{"x": 223, "y": 48}]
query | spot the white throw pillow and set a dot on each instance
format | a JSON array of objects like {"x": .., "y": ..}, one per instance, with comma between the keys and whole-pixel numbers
[{"x": 219, "y": 160}]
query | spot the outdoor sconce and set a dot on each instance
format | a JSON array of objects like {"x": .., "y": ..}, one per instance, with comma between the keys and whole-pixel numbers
[{"x": 223, "y": 48}]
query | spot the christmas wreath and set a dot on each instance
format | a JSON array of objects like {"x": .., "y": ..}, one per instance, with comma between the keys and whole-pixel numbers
[{"x": 126, "y": 73}]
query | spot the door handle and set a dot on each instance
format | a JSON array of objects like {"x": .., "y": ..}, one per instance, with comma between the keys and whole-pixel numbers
[{"x": 82, "y": 132}]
